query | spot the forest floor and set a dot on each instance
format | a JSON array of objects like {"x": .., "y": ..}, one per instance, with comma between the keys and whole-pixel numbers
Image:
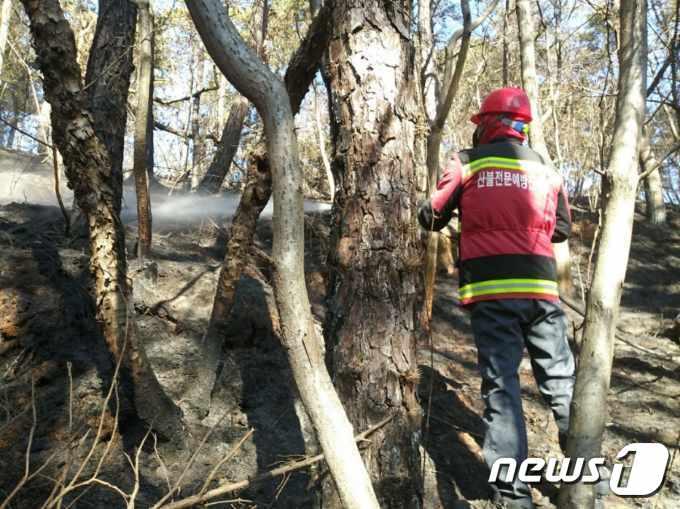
[{"x": 49, "y": 349}]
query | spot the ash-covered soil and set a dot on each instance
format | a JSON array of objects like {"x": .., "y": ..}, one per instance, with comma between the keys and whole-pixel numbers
[{"x": 67, "y": 434}]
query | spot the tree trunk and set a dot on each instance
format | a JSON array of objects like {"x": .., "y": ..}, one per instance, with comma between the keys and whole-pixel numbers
[
  {"x": 525, "y": 23},
  {"x": 656, "y": 208},
  {"x": 589, "y": 406},
  {"x": 141, "y": 150},
  {"x": 5, "y": 15},
  {"x": 301, "y": 337},
  {"x": 299, "y": 75},
  {"x": 198, "y": 146},
  {"x": 375, "y": 262},
  {"x": 150, "y": 151},
  {"x": 94, "y": 183},
  {"x": 255, "y": 196},
  {"x": 226, "y": 149},
  {"x": 322, "y": 148},
  {"x": 107, "y": 81}
]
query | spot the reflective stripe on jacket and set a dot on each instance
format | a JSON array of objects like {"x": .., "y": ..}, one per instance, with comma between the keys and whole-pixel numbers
[{"x": 512, "y": 207}]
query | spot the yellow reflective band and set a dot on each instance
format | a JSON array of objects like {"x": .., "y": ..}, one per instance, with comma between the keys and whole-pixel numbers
[
  {"x": 493, "y": 282},
  {"x": 502, "y": 160},
  {"x": 501, "y": 163},
  {"x": 501, "y": 286}
]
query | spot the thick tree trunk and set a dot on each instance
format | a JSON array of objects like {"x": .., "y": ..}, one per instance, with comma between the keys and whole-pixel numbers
[
  {"x": 589, "y": 406},
  {"x": 656, "y": 207},
  {"x": 141, "y": 150},
  {"x": 525, "y": 23},
  {"x": 107, "y": 81},
  {"x": 226, "y": 149},
  {"x": 301, "y": 337},
  {"x": 375, "y": 262},
  {"x": 5, "y": 15},
  {"x": 91, "y": 176}
]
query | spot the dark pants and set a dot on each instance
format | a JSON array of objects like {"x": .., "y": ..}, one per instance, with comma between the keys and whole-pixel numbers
[{"x": 502, "y": 328}]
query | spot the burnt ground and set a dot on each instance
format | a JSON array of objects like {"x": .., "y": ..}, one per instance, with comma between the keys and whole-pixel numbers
[{"x": 50, "y": 349}]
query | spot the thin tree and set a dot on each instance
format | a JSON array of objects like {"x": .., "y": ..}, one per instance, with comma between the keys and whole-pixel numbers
[
  {"x": 197, "y": 143},
  {"x": 257, "y": 191},
  {"x": 527, "y": 32},
  {"x": 226, "y": 149},
  {"x": 441, "y": 102},
  {"x": 589, "y": 406},
  {"x": 655, "y": 209},
  {"x": 301, "y": 338},
  {"x": 5, "y": 14},
  {"x": 144, "y": 106},
  {"x": 90, "y": 173}
]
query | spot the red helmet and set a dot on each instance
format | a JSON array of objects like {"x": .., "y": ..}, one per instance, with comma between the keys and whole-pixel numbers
[{"x": 511, "y": 100}]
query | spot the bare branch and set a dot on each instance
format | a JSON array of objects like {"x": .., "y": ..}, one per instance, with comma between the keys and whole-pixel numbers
[
  {"x": 455, "y": 36},
  {"x": 283, "y": 470},
  {"x": 304, "y": 63},
  {"x": 198, "y": 93}
]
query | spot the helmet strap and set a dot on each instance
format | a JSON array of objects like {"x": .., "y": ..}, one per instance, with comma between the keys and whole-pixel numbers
[{"x": 477, "y": 135}]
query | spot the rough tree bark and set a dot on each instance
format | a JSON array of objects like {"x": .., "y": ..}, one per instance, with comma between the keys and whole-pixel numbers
[
  {"x": 301, "y": 337},
  {"x": 375, "y": 262},
  {"x": 92, "y": 177},
  {"x": 656, "y": 208},
  {"x": 226, "y": 149},
  {"x": 527, "y": 32},
  {"x": 589, "y": 406},
  {"x": 107, "y": 80},
  {"x": 141, "y": 149}
]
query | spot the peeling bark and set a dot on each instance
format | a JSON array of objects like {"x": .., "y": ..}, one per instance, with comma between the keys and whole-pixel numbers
[
  {"x": 589, "y": 405},
  {"x": 92, "y": 177},
  {"x": 375, "y": 261}
]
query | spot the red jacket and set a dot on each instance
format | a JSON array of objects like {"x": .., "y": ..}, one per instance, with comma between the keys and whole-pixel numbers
[{"x": 512, "y": 208}]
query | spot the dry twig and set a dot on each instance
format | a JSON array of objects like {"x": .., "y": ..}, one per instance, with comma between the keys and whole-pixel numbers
[{"x": 283, "y": 470}]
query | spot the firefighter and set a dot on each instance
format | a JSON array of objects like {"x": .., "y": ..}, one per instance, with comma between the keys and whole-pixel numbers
[{"x": 512, "y": 206}]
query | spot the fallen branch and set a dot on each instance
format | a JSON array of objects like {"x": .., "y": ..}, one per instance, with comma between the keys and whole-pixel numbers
[
  {"x": 282, "y": 470},
  {"x": 619, "y": 334}
]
